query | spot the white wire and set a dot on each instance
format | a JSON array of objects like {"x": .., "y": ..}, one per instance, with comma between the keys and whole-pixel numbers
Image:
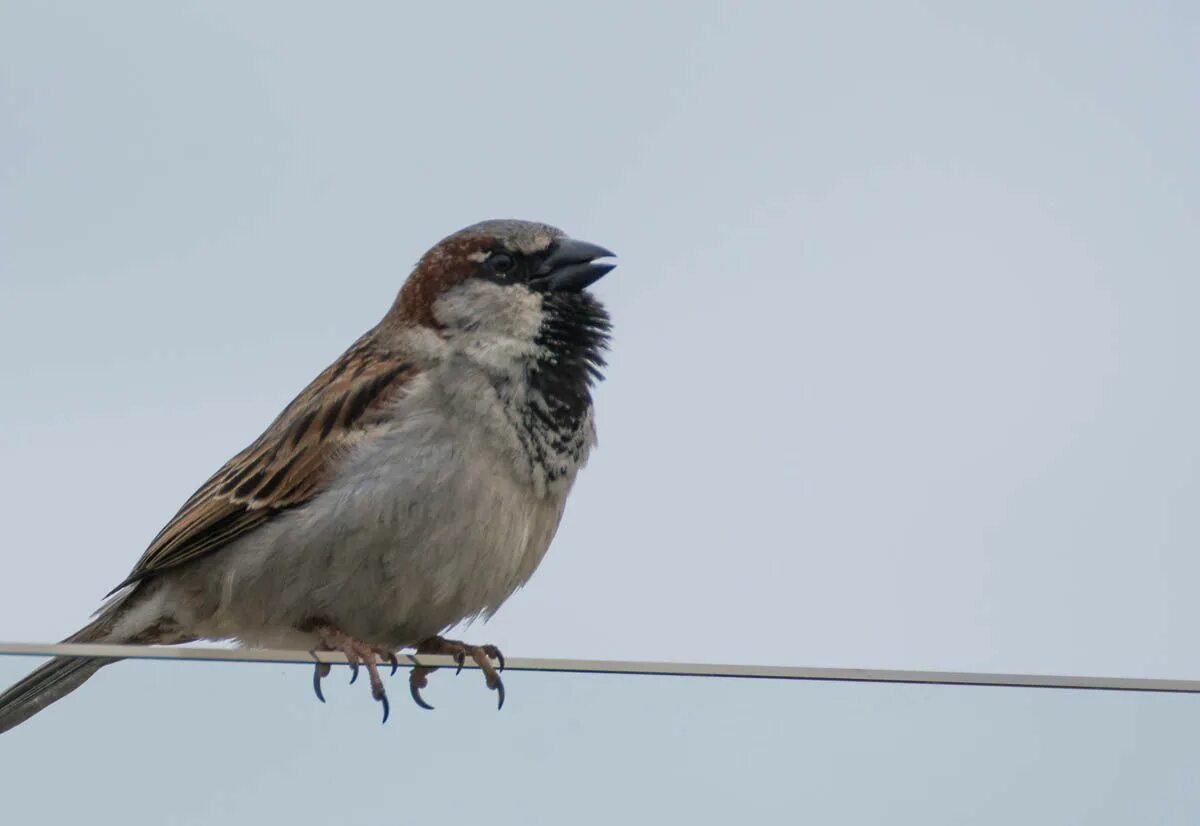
[{"x": 775, "y": 672}]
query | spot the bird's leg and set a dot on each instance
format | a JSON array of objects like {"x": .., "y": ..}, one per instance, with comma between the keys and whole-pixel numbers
[
  {"x": 482, "y": 655},
  {"x": 357, "y": 653}
]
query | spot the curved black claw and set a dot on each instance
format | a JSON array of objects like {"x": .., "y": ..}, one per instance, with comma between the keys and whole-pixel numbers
[
  {"x": 500, "y": 659},
  {"x": 416, "y": 695},
  {"x": 317, "y": 675},
  {"x": 353, "y": 672},
  {"x": 386, "y": 708},
  {"x": 459, "y": 658},
  {"x": 500, "y": 691},
  {"x": 395, "y": 663}
]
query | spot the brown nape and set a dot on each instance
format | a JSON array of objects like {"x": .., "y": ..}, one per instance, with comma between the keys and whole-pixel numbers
[{"x": 439, "y": 269}]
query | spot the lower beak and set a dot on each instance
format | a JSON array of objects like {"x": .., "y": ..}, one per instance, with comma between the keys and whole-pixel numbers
[{"x": 571, "y": 266}]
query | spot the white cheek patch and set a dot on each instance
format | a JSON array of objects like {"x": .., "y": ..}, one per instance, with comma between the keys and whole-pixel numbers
[
  {"x": 480, "y": 314},
  {"x": 479, "y": 257}
]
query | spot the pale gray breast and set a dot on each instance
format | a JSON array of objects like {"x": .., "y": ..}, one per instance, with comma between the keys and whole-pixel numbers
[{"x": 452, "y": 519}]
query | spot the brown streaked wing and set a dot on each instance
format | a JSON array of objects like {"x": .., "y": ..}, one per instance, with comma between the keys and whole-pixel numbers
[{"x": 287, "y": 465}]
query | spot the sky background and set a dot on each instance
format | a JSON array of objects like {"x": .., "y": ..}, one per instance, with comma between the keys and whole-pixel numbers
[{"x": 903, "y": 372}]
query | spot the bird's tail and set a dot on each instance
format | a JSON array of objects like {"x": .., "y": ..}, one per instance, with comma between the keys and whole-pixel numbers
[{"x": 55, "y": 679}]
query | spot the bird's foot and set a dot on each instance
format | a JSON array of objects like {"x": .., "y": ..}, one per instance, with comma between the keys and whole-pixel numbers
[
  {"x": 357, "y": 654},
  {"x": 481, "y": 655}
]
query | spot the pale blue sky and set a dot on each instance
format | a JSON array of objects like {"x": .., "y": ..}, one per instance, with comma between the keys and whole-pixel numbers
[{"x": 904, "y": 360}]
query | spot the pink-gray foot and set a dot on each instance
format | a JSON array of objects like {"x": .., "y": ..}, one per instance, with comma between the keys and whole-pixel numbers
[
  {"x": 357, "y": 653},
  {"x": 481, "y": 655}
]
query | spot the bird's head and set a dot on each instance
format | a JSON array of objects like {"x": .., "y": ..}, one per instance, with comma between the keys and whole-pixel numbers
[{"x": 500, "y": 278}]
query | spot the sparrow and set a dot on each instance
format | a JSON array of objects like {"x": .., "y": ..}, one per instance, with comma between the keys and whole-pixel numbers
[{"x": 416, "y": 483}]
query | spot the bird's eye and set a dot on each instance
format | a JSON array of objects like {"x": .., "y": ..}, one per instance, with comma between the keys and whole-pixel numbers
[{"x": 501, "y": 262}]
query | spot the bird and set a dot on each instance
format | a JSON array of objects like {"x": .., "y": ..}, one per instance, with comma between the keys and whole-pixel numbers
[{"x": 415, "y": 483}]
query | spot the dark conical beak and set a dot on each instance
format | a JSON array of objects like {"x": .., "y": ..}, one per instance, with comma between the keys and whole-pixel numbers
[{"x": 571, "y": 266}]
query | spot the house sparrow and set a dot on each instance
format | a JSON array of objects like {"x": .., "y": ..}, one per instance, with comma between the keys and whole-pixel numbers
[{"x": 415, "y": 483}]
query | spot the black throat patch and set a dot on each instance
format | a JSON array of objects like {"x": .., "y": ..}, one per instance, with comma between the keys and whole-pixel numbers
[{"x": 573, "y": 336}]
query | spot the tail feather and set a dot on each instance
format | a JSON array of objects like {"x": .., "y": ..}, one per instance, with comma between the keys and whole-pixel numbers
[
  {"x": 49, "y": 683},
  {"x": 54, "y": 680}
]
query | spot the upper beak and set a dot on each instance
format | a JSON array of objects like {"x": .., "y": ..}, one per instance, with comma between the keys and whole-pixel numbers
[{"x": 571, "y": 266}]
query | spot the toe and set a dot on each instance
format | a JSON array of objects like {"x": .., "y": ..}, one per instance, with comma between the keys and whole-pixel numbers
[
  {"x": 318, "y": 672},
  {"x": 415, "y": 690}
]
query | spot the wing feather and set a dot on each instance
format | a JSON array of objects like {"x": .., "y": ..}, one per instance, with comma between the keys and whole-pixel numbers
[{"x": 287, "y": 465}]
